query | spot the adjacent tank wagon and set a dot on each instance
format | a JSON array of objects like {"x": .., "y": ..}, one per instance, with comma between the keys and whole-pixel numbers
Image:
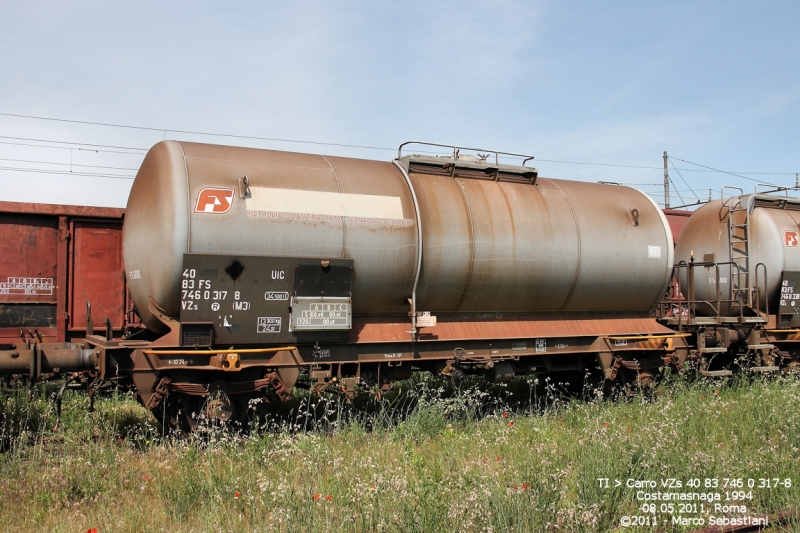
[
  {"x": 738, "y": 265},
  {"x": 753, "y": 240}
]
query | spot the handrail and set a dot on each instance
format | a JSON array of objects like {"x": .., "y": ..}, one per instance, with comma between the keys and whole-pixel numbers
[
  {"x": 457, "y": 149},
  {"x": 722, "y": 193},
  {"x": 766, "y": 287},
  {"x": 775, "y": 188},
  {"x": 418, "y": 267},
  {"x": 691, "y": 302}
]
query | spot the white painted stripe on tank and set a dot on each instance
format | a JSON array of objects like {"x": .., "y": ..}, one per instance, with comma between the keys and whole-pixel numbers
[{"x": 324, "y": 203}]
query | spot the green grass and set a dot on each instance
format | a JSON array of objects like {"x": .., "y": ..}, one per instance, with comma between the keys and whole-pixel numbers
[{"x": 429, "y": 459}]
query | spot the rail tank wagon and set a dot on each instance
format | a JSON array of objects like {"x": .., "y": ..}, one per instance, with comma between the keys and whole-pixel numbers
[
  {"x": 255, "y": 268},
  {"x": 738, "y": 265},
  {"x": 752, "y": 240}
]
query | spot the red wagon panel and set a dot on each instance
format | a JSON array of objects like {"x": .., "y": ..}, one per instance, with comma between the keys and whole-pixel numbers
[
  {"x": 53, "y": 259},
  {"x": 28, "y": 258},
  {"x": 98, "y": 276}
]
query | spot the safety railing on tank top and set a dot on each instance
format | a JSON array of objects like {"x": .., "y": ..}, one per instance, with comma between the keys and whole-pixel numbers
[{"x": 684, "y": 308}]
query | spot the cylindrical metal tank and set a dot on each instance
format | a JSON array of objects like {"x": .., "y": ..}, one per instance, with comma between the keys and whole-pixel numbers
[
  {"x": 190, "y": 197},
  {"x": 556, "y": 246},
  {"x": 772, "y": 247},
  {"x": 488, "y": 246}
]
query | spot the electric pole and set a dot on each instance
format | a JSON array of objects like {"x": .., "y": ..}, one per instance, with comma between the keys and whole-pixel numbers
[{"x": 666, "y": 183}]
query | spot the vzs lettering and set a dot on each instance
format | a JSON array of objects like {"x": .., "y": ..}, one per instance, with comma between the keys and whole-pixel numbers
[{"x": 212, "y": 200}]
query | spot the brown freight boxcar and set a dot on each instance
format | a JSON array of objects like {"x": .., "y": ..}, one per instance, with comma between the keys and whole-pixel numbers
[
  {"x": 54, "y": 260},
  {"x": 677, "y": 218}
]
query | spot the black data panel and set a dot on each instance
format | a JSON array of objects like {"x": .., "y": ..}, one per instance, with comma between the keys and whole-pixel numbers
[
  {"x": 790, "y": 299},
  {"x": 227, "y": 300}
]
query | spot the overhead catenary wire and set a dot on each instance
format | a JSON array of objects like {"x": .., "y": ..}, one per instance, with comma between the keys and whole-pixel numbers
[
  {"x": 345, "y": 145},
  {"x": 68, "y": 173},
  {"x": 595, "y": 164},
  {"x": 723, "y": 171},
  {"x": 138, "y": 154},
  {"x": 661, "y": 192},
  {"x": 675, "y": 190},
  {"x": 683, "y": 179},
  {"x": 190, "y": 132},
  {"x": 73, "y": 143},
  {"x": 66, "y": 164}
]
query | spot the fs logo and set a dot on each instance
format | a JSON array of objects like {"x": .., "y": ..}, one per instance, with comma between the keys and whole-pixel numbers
[
  {"x": 211, "y": 200},
  {"x": 790, "y": 238}
]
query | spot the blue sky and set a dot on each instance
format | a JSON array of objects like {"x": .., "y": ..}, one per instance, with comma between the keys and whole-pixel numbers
[{"x": 606, "y": 83}]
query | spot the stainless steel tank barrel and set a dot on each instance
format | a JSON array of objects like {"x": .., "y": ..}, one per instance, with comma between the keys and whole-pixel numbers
[{"x": 488, "y": 245}]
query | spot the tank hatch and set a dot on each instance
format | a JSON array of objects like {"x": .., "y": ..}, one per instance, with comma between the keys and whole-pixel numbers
[
  {"x": 776, "y": 202},
  {"x": 468, "y": 167}
]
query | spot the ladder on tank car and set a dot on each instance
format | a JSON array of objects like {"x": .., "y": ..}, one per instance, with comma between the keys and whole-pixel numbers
[{"x": 739, "y": 211}]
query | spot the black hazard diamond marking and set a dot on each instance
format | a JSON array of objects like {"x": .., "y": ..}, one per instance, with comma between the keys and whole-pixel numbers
[{"x": 235, "y": 270}]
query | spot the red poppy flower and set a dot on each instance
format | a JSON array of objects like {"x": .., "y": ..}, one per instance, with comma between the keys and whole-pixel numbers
[
  {"x": 317, "y": 496},
  {"x": 236, "y": 494},
  {"x": 525, "y": 486},
  {"x": 329, "y": 497},
  {"x": 511, "y": 424},
  {"x": 145, "y": 478},
  {"x": 91, "y": 530},
  {"x": 505, "y": 415},
  {"x": 605, "y": 424},
  {"x": 498, "y": 457}
]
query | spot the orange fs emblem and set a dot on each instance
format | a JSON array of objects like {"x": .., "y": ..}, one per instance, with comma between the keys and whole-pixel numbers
[{"x": 213, "y": 200}]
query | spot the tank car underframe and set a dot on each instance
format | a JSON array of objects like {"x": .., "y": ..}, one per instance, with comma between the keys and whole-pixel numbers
[
  {"x": 718, "y": 344},
  {"x": 162, "y": 369},
  {"x": 159, "y": 370},
  {"x": 169, "y": 376},
  {"x": 787, "y": 347}
]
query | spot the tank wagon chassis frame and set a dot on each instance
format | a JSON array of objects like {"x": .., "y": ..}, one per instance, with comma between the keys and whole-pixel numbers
[
  {"x": 720, "y": 342},
  {"x": 173, "y": 380}
]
